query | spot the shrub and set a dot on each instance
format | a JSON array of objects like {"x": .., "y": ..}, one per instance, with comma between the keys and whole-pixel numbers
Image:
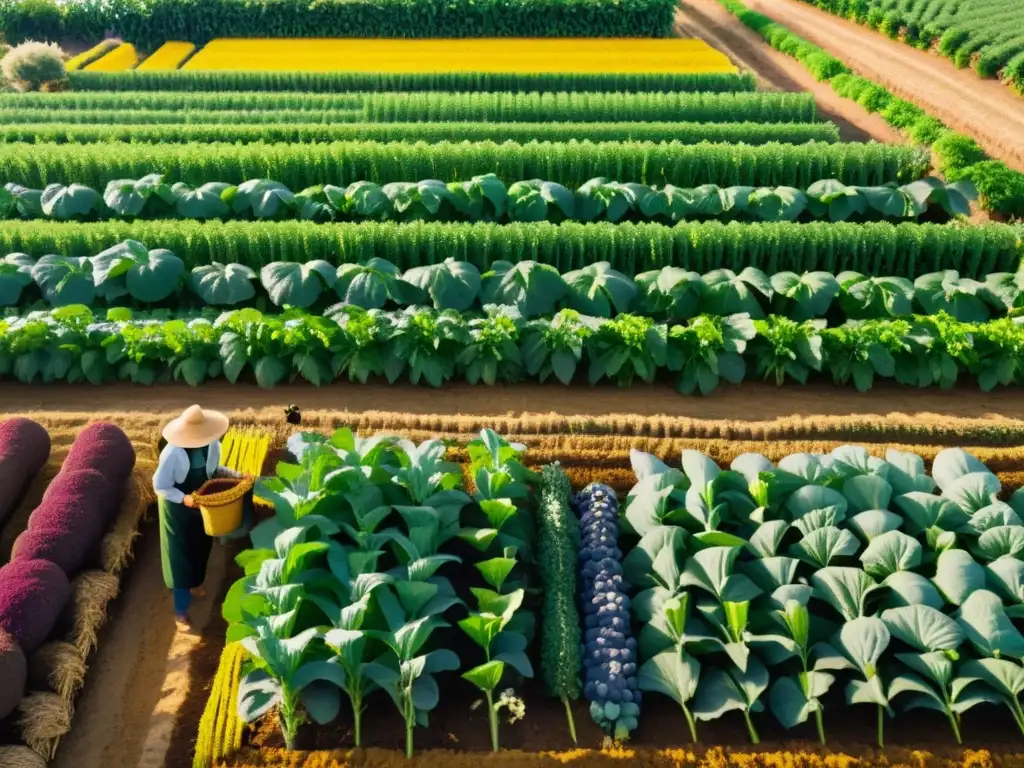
[
  {"x": 926, "y": 130},
  {"x": 24, "y": 448},
  {"x": 956, "y": 153},
  {"x": 13, "y": 673},
  {"x": 30, "y": 65},
  {"x": 78, "y": 504},
  {"x": 1000, "y": 189},
  {"x": 874, "y": 98},
  {"x": 902, "y": 114},
  {"x": 105, "y": 448},
  {"x": 32, "y": 595}
]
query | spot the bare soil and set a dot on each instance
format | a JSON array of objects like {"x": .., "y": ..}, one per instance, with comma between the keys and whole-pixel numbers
[
  {"x": 775, "y": 71},
  {"x": 753, "y": 402},
  {"x": 984, "y": 109}
]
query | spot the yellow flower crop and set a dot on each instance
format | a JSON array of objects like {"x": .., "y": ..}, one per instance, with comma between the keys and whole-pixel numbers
[
  {"x": 121, "y": 59},
  {"x": 491, "y": 55},
  {"x": 167, "y": 56},
  {"x": 79, "y": 61}
]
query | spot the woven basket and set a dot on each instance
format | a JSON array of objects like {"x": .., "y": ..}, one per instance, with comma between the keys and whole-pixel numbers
[{"x": 221, "y": 501}]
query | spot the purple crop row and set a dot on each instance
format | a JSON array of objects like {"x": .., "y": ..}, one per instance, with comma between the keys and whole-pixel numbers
[{"x": 63, "y": 534}]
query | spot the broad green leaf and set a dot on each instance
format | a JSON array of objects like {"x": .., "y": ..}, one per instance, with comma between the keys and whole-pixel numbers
[
  {"x": 67, "y": 202},
  {"x": 487, "y": 676},
  {"x": 923, "y": 510},
  {"x": 907, "y": 588},
  {"x": 669, "y": 674},
  {"x": 923, "y": 628},
  {"x": 297, "y": 285},
  {"x": 873, "y": 523},
  {"x": 821, "y": 546},
  {"x": 205, "y": 202},
  {"x": 987, "y": 627},
  {"x": 891, "y": 552},
  {"x": 721, "y": 691},
  {"x": 450, "y": 285},
  {"x": 599, "y": 291},
  {"x": 811, "y": 292},
  {"x": 1001, "y": 541},
  {"x": 15, "y": 274},
  {"x": 533, "y": 287},
  {"x": 220, "y": 284},
  {"x": 711, "y": 569},
  {"x": 368, "y": 284},
  {"x": 953, "y": 463},
  {"x": 65, "y": 280},
  {"x": 958, "y": 576},
  {"x": 845, "y": 589}
]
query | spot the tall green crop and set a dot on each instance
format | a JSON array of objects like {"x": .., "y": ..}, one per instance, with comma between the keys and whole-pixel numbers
[
  {"x": 557, "y": 560},
  {"x": 571, "y": 164},
  {"x": 250, "y": 127},
  {"x": 340, "y": 82},
  {"x": 905, "y": 250}
]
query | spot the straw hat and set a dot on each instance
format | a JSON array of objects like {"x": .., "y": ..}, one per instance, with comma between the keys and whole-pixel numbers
[{"x": 195, "y": 428}]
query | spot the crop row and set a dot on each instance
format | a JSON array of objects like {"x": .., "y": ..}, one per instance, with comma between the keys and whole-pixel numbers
[
  {"x": 63, "y": 534},
  {"x": 341, "y": 82},
  {"x": 571, "y": 164},
  {"x": 484, "y": 198},
  {"x": 250, "y": 127},
  {"x": 455, "y": 107},
  {"x": 128, "y": 273},
  {"x": 905, "y": 250},
  {"x": 387, "y": 562},
  {"x": 428, "y": 347},
  {"x": 774, "y": 585},
  {"x": 958, "y": 156},
  {"x": 983, "y": 34}
]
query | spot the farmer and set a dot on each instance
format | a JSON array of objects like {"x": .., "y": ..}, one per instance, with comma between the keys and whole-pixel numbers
[{"x": 191, "y": 457}]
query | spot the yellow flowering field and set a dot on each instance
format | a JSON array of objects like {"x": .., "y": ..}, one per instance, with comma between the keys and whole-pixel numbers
[
  {"x": 79, "y": 61},
  {"x": 167, "y": 56},
  {"x": 120, "y": 59},
  {"x": 521, "y": 55}
]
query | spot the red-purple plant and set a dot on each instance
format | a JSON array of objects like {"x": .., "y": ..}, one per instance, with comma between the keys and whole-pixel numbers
[
  {"x": 13, "y": 673},
  {"x": 32, "y": 595},
  {"x": 104, "y": 447},
  {"x": 24, "y": 449},
  {"x": 78, "y": 505}
]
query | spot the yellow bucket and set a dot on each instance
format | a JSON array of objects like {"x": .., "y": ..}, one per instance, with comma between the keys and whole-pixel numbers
[{"x": 221, "y": 501}]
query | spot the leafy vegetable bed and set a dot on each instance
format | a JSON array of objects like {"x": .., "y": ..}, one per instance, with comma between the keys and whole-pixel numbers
[
  {"x": 762, "y": 586},
  {"x": 486, "y": 198},
  {"x": 431, "y": 348}
]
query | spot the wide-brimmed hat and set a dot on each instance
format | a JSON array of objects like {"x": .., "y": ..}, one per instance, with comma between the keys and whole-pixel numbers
[{"x": 195, "y": 428}]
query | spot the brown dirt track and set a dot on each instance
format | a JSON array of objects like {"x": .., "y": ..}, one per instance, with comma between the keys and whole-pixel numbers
[
  {"x": 984, "y": 109},
  {"x": 775, "y": 71}
]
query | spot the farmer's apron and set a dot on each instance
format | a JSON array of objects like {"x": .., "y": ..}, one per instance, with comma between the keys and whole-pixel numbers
[{"x": 184, "y": 545}]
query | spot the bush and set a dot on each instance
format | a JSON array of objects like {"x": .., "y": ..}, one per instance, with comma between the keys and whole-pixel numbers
[
  {"x": 24, "y": 448},
  {"x": 32, "y": 595},
  {"x": 1000, "y": 189},
  {"x": 13, "y": 673},
  {"x": 956, "y": 153},
  {"x": 926, "y": 130},
  {"x": 902, "y": 114},
  {"x": 103, "y": 447},
  {"x": 31, "y": 65}
]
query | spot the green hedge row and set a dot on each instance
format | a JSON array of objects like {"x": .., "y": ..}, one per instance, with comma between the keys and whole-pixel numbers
[
  {"x": 340, "y": 82},
  {"x": 301, "y": 165},
  {"x": 148, "y": 23},
  {"x": 82, "y": 132},
  {"x": 462, "y": 107},
  {"x": 905, "y": 250},
  {"x": 1000, "y": 187}
]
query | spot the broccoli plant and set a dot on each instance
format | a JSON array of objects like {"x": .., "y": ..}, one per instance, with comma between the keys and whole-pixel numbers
[{"x": 609, "y": 650}]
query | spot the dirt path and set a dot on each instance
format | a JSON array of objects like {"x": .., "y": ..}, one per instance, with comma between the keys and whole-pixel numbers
[
  {"x": 139, "y": 674},
  {"x": 753, "y": 402},
  {"x": 709, "y": 21},
  {"x": 984, "y": 109}
]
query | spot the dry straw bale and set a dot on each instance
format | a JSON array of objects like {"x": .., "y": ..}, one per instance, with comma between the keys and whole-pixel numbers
[
  {"x": 20, "y": 757},
  {"x": 59, "y": 667},
  {"x": 45, "y": 718},
  {"x": 116, "y": 547},
  {"x": 91, "y": 593}
]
